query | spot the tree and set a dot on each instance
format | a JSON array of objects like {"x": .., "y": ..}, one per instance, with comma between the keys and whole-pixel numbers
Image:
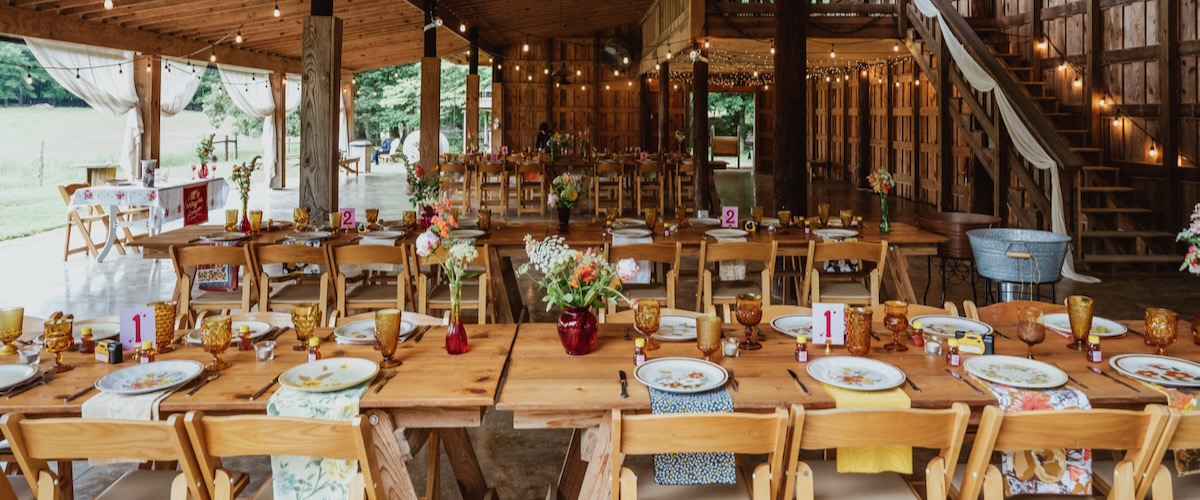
[{"x": 218, "y": 106}]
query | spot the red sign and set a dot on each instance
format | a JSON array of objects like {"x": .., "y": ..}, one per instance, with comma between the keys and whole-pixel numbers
[{"x": 195, "y": 204}]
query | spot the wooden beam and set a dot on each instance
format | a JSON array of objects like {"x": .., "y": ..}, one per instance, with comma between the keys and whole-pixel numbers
[
  {"x": 864, "y": 130},
  {"x": 791, "y": 109},
  {"x": 472, "y": 104},
  {"x": 1170, "y": 81},
  {"x": 598, "y": 80},
  {"x": 1003, "y": 170},
  {"x": 279, "y": 95},
  {"x": 889, "y": 104},
  {"x": 664, "y": 106},
  {"x": 847, "y": 169},
  {"x": 320, "y": 100},
  {"x": 1095, "y": 70},
  {"x": 497, "y": 107},
  {"x": 945, "y": 129},
  {"x": 431, "y": 97},
  {"x": 1037, "y": 33},
  {"x": 42, "y": 24},
  {"x": 549, "y": 84},
  {"x": 700, "y": 134},
  {"x": 147, "y": 81}
]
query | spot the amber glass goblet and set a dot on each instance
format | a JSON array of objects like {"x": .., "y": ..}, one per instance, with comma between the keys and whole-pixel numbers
[
  {"x": 895, "y": 319},
  {"x": 1162, "y": 328},
  {"x": 708, "y": 335},
  {"x": 335, "y": 221},
  {"x": 651, "y": 218},
  {"x": 847, "y": 217},
  {"x": 1079, "y": 311},
  {"x": 372, "y": 216},
  {"x": 1030, "y": 328},
  {"x": 255, "y": 221},
  {"x": 304, "y": 319},
  {"x": 483, "y": 221},
  {"x": 748, "y": 310},
  {"x": 231, "y": 220},
  {"x": 12, "y": 320},
  {"x": 164, "y": 326},
  {"x": 300, "y": 217},
  {"x": 646, "y": 316},
  {"x": 785, "y": 218},
  {"x": 409, "y": 220},
  {"x": 823, "y": 214},
  {"x": 216, "y": 332},
  {"x": 858, "y": 331},
  {"x": 59, "y": 339},
  {"x": 756, "y": 214},
  {"x": 387, "y": 334},
  {"x": 681, "y": 213}
]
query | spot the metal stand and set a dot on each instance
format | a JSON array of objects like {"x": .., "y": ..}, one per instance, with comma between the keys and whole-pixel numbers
[
  {"x": 1003, "y": 291},
  {"x": 953, "y": 271}
]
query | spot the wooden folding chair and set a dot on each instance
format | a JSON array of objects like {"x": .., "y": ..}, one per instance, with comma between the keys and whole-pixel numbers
[
  {"x": 1161, "y": 478},
  {"x": 491, "y": 186},
  {"x": 726, "y": 292},
  {"x": 608, "y": 186},
  {"x": 756, "y": 433},
  {"x": 1007, "y": 311},
  {"x": 1137, "y": 433},
  {"x": 845, "y": 288},
  {"x": 367, "y": 294},
  {"x": 295, "y": 288},
  {"x": 215, "y": 438},
  {"x": 475, "y": 295},
  {"x": 38, "y": 441},
  {"x": 942, "y": 430},
  {"x": 83, "y": 223},
  {"x": 456, "y": 183},
  {"x": 653, "y": 254},
  {"x": 531, "y": 188},
  {"x": 648, "y": 187},
  {"x": 685, "y": 181},
  {"x": 339, "y": 319},
  {"x": 186, "y": 260}
]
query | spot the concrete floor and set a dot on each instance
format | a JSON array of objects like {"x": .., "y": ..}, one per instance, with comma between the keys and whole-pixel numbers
[{"x": 519, "y": 463}]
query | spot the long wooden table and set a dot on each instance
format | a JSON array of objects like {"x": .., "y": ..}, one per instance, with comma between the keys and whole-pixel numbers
[
  {"x": 547, "y": 389},
  {"x": 432, "y": 390}
]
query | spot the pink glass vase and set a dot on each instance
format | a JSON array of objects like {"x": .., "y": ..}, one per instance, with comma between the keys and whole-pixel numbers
[{"x": 577, "y": 330}]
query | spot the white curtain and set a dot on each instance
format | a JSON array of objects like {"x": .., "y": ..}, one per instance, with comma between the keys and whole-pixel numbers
[
  {"x": 250, "y": 91},
  {"x": 178, "y": 87},
  {"x": 104, "y": 80},
  {"x": 1022, "y": 138}
]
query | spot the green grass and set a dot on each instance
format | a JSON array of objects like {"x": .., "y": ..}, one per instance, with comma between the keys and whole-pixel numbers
[{"x": 28, "y": 178}]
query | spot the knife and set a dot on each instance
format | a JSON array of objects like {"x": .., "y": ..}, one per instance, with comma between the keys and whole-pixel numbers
[
  {"x": 264, "y": 389},
  {"x": 421, "y": 334},
  {"x": 386, "y": 378},
  {"x": 199, "y": 386},
  {"x": 75, "y": 396},
  {"x": 1114, "y": 379},
  {"x": 963, "y": 380},
  {"x": 47, "y": 376},
  {"x": 1072, "y": 379},
  {"x": 732, "y": 381},
  {"x": 911, "y": 384},
  {"x": 624, "y": 384},
  {"x": 797, "y": 379}
]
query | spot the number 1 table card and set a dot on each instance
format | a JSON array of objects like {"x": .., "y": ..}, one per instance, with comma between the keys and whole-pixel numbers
[
  {"x": 829, "y": 323},
  {"x": 137, "y": 325}
]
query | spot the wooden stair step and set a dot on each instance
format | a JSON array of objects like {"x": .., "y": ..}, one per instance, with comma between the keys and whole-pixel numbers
[
  {"x": 1100, "y": 168},
  {"x": 1127, "y": 234},
  {"x": 1116, "y": 210},
  {"x": 1057, "y": 114},
  {"x": 1034, "y": 83},
  {"x": 1087, "y": 149},
  {"x": 1106, "y": 189},
  {"x": 1074, "y": 131},
  {"x": 1131, "y": 259}
]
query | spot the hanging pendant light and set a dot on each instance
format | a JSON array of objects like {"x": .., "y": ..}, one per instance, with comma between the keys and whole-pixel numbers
[
  {"x": 276, "y": 11},
  {"x": 108, "y": 4}
]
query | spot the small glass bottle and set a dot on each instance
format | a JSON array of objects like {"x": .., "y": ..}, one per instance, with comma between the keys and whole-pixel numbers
[
  {"x": 802, "y": 348},
  {"x": 244, "y": 342},
  {"x": 1093, "y": 350},
  {"x": 858, "y": 221},
  {"x": 639, "y": 351},
  {"x": 918, "y": 334},
  {"x": 952, "y": 357},
  {"x": 146, "y": 355},
  {"x": 314, "y": 349},
  {"x": 87, "y": 343}
]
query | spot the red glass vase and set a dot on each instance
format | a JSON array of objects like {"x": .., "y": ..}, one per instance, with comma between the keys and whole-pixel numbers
[
  {"x": 427, "y": 214},
  {"x": 577, "y": 330},
  {"x": 456, "y": 333},
  {"x": 244, "y": 226}
]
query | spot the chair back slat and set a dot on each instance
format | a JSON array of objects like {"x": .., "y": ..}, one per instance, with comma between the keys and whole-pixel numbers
[
  {"x": 1095, "y": 428},
  {"x": 739, "y": 250},
  {"x": 939, "y": 429},
  {"x": 860, "y": 250},
  {"x": 368, "y": 254},
  {"x": 702, "y": 433},
  {"x": 207, "y": 255},
  {"x": 1007, "y": 311},
  {"x": 284, "y": 253},
  {"x": 664, "y": 253},
  {"x": 69, "y": 190},
  {"x": 1187, "y": 434}
]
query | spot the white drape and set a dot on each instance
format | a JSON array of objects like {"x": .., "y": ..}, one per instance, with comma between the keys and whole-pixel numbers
[
  {"x": 1022, "y": 138},
  {"x": 178, "y": 87},
  {"x": 106, "y": 85},
  {"x": 250, "y": 91}
]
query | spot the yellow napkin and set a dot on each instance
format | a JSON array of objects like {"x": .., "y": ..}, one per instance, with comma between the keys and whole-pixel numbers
[{"x": 875, "y": 459}]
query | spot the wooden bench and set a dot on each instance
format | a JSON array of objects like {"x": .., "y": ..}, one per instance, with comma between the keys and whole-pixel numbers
[
  {"x": 350, "y": 165},
  {"x": 727, "y": 146}
]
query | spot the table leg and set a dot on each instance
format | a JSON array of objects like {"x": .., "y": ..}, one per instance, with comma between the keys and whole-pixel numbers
[
  {"x": 462, "y": 457},
  {"x": 597, "y": 481},
  {"x": 392, "y": 471},
  {"x": 899, "y": 264},
  {"x": 112, "y": 233}
]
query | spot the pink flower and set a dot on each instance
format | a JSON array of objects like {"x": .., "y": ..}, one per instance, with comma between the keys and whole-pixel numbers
[
  {"x": 552, "y": 200},
  {"x": 627, "y": 269},
  {"x": 426, "y": 243},
  {"x": 409, "y": 190}
]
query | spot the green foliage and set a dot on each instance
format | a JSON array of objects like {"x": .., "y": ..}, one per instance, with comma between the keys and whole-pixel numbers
[
  {"x": 218, "y": 106},
  {"x": 16, "y": 61},
  {"x": 391, "y": 97},
  {"x": 728, "y": 111}
]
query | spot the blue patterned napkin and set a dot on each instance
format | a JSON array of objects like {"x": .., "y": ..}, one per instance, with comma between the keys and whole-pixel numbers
[{"x": 693, "y": 468}]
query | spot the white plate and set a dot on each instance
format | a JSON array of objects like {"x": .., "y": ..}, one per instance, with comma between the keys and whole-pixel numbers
[
  {"x": 233, "y": 236},
  {"x": 793, "y": 325},
  {"x": 704, "y": 222},
  {"x": 363, "y": 332},
  {"x": 150, "y": 377},
  {"x": 681, "y": 375},
  {"x": 467, "y": 234},
  {"x": 632, "y": 233},
  {"x": 309, "y": 235},
  {"x": 855, "y": 373},
  {"x": 628, "y": 223},
  {"x": 1016, "y": 372},
  {"x": 1157, "y": 369},
  {"x": 100, "y": 331},
  {"x": 384, "y": 235},
  {"x": 13, "y": 374},
  {"x": 833, "y": 234},
  {"x": 947, "y": 326},
  {"x": 257, "y": 329},
  {"x": 1100, "y": 326},
  {"x": 676, "y": 328},
  {"x": 727, "y": 233},
  {"x": 327, "y": 375}
]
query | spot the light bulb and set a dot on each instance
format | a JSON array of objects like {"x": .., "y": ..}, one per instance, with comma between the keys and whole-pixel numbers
[
  {"x": 531, "y": 78},
  {"x": 668, "y": 56},
  {"x": 897, "y": 84},
  {"x": 583, "y": 88},
  {"x": 881, "y": 80},
  {"x": 607, "y": 87},
  {"x": 148, "y": 68},
  {"x": 675, "y": 87},
  {"x": 826, "y": 78},
  {"x": 556, "y": 84},
  {"x": 276, "y": 11},
  {"x": 896, "y": 46},
  {"x": 630, "y": 83},
  {"x": 617, "y": 73},
  {"x": 462, "y": 27},
  {"x": 518, "y": 67},
  {"x": 28, "y": 78},
  {"x": 525, "y": 47},
  {"x": 625, "y": 60},
  {"x": 1103, "y": 102},
  {"x": 864, "y": 72},
  {"x": 772, "y": 49},
  {"x": 77, "y": 72},
  {"x": 213, "y": 57},
  {"x": 832, "y": 52},
  {"x": 1153, "y": 152},
  {"x": 766, "y": 86},
  {"x": 545, "y": 71},
  {"x": 1062, "y": 67},
  {"x": 706, "y": 43},
  {"x": 238, "y": 38},
  {"x": 755, "y": 74},
  {"x": 656, "y": 66},
  {"x": 108, "y": 4},
  {"x": 1078, "y": 82},
  {"x": 1116, "y": 121}
]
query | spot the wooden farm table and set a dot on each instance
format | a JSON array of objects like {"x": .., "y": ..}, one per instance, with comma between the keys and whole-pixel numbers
[
  {"x": 433, "y": 394},
  {"x": 546, "y": 388},
  {"x": 158, "y": 246}
]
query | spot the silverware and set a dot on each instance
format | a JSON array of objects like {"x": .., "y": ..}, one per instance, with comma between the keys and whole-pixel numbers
[
  {"x": 1072, "y": 379},
  {"x": 257, "y": 394},
  {"x": 1112, "y": 378},
  {"x": 387, "y": 378},
  {"x": 732, "y": 381},
  {"x": 627, "y": 337},
  {"x": 279, "y": 331},
  {"x": 421, "y": 334},
  {"x": 963, "y": 380},
  {"x": 911, "y": 384},
  {"x": 211, "y": 377},
  {"x": 876, "y": 337},
  {"x": 81, "y": 392},
  {"x": 797, "y": 379},
  {"x": 997, "y": 332},
  {"x": 624, "y": 384},
  {"x": 47, "y": 376}
]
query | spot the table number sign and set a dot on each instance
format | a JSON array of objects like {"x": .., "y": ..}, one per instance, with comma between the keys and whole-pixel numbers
[
  {"x": 504, "y": 150},
  {"x": 645, "y": 156},
  {"x": 347, "y": 217},
  {"x": 137, "y": 326},
  {"x": 829, "y": 323},
  {"x": 729, "y": 217}
]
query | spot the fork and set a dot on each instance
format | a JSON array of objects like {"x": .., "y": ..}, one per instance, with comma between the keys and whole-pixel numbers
[{"x": 211, "y": 377}]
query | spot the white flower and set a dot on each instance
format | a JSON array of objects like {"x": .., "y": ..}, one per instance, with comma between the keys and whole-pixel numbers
[
  {"x": 426, "y": 243},
  {"x": 627, "y": 269},
  {"x": 409, "y": 189},
  {"x": 552, "y": 200},
  {"x": 1195, "y": 226},
  {"x": 463, "y": 251}
]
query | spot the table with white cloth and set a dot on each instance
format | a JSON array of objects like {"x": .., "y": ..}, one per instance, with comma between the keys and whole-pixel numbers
[{"x": 165, "y": 201}]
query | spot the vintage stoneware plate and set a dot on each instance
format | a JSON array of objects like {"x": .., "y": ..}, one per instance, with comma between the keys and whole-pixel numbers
[
  {"x": 100, "y": 331},
  {"x": 855, "y": 373},
  {"x": 727, "y": 233},
  {"x": 466, "y": 234},
  {"x": 681, "y": 375},
  {"x": 276, "y": 226},
  {"x": 384, "y": 235},
  {"x": 632, "y": 233},
  {"x": 363, "y": 332},
  {"x": 835, "y": 234},
  {"x": 1100, "y": 326},
  {"x": 309, "y": 235},
  {"x": 704, "y": 222},
  {"x": 13, "y": 374},
  {"x": 233, "y": 236},
  {"x": 150, "y": 377},
  {"x": 1016, "y": 372},
  {"x": 257, "y": 329},
  {"x": 1157, "y": 369},
  {"x": 327, "y": 375},
  {"x": 676, "y": 328},
  {"x": 793, "y": 325},
  {"x": 947, "y": 326},
  {"x": 628, "y": 223}
]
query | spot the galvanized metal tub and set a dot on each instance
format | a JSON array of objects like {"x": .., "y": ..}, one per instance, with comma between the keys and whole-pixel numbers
[{"x": 1019, "y": 255}]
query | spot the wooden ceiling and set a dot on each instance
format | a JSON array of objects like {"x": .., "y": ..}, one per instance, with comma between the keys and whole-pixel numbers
[
  {"x": 510, "y": 21},
  {"x": 743, "y": 55}
]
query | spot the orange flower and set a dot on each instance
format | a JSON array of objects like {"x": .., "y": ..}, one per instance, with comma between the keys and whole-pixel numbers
[
  {"x": 616, "y": 282},
  {"x": 574, "y": 283}
]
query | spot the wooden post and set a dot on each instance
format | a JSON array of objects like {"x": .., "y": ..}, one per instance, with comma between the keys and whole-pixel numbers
[
  {"x": 644, "y": 113},
  {"x": 472, "y": 115},
  {"x": 431, "y": 95},
  {"x": 322, "y": 61},
  {"x": 664, "y": 106},
  {"x": 945, "y": 130},
  {"x": 147, "y": 81},
  {"x": 1003, "y": 172},
  {"x": 864, "y": 129},
  {"x": 700, "y": 133},
  {"x": 889, "y": 100},
  {"x": 828, "y": 126},
  {"x": 1095, "y": 70},
  {"x": 847, "y": 168},
  {"x": 279, "y": 95},
  {"x": 915, "y": 98},
  {"x": 497, "y": 106},
  {"x": 551, "y": 95},
  {"x": 1169, "y": 81}
]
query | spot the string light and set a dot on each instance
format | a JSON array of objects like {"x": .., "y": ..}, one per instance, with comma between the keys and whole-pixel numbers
[
  {"x": 525, "y": 46},
  {"x": 76, "y": 74},
  {"x": 656, "y": 67},
  {"x": 1062, "y": 66},
  {"x": 583, "y": 88},
  {"x": 607, "y": 87},
  {"x": 238, "y": 38},
  {"x": 276, "y": 11},
  {"x": 213, "y": 57},
  {"x": 1116, "y": 121},
  {"x": 148, "y": 68},
  {"x": 706, "y": 43},
  {"x": 28, "y": 76},
  {"x": 578, "y": 72},
  {"x": 618, "y": 73},
  {"x": 545, "y": 71},
  {"x": 832, "y": 51},
  {"x": 108, "y": 4},
  {"x": 896, "y": 46},
  {"x": 518, "y": 67},
  {"x": 531, "y": 78},
  {"x": 864, "y": 72},
  {"x": 1103, "y": 102},
  {"x": 772, "y": 47},
  {"x": 766, "y": 86},
  {"x": 1041, "y": 44},
  {"x": 1078, "y": 82},
  {"x": 462, "y": 27},
  {"x": 1153, "y": 152}
]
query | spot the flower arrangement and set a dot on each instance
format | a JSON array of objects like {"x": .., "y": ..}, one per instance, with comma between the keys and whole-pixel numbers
[
  {"x": 564, "y": 191},
  {"x": 454, "y": 256},
  {"x": 1191, "y": 236},
  {"x": 424, "y": 191},
  {"x": 205, "y": 149},
  {"x": 881, "y": 181},
  {"x": 574, "y": 279},
  {"x": 241, "y": 178}
]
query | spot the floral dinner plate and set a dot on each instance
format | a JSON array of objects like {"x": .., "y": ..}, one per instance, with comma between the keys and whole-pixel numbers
[
  {"x": 855, "y": 373},
  {"x": 150, "y": 377},
  {"x": 309, "y": 235},
  {"x": 628, "y": 223},
  {"x": 330, "y": 374},
  {"x": 632, "y": 233},
  {"x": 257, "y": 329},
  {"x": 835, "y": 234},
  {"x": 1157, "y": 369},
  {"x": 681, "y": 375},
  {"x": 232, "y": 236},
  {"x": 13, "y": 374},
  {"x": 1100, "y": 326},
  {"x": 793, "y": 325},
  {"x": 948, "y": 326},
  {"x": 384, "y": 235},
  {"x": 363, "y": 332},
  {"x": 1016, "y": 372},
  {"x": 676, "y": 328},
  {"x": 727, "y": 233},
  {"x": 466, "y": 234}
]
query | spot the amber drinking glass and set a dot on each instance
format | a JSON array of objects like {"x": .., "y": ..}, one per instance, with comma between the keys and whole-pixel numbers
[
  {"x": 11, "y": 322},
  {"x": 1030, "y": 328},
  {"x": 304, "y": 319},
  {"x": 646, "y": 316},
  {"x": 785, "y": 218},
  {"x": 858, "y": 331},
  {"x": 823, "y": 214},
  {"x": 387, "y": 334},
  {"x": 748, "y": 310},
  {"x": 216, "y": 332},
  {"x": 1162, "y": 328},
  {"x": 255, "y": 221},
  {"x": 610, "y": 217},
  {"x": 231, "y": 220},
  {"x": 651, "y": 218},
  {"x": 1079, "y": 311},
  {"x": 681, "y": 213},
  {"x": 59, "y": 339},
  {"x": 372, "y": 216},
  {"x": 484, "y": 220},
  {"x": 895, "y": 319},
  {"x": 335, "y": 221},
  {"x": 164, "y": 326},
  {"x": 847, "y": 217},
  {"x": 409, "y": 220},
  {"x": 756, "y": 214},
  {"x": 300, "y": 217},
  {"x": 708, "y": 335}
]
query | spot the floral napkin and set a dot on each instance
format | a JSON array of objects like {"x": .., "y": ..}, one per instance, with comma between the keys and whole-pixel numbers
[
  {"x": 217, "y": 278},
  {"x": 300, "y": 267},
  {"x": 306, "y": 477},
  {"x": 108, "y": 405},
  {"x": 1187, "y": 462},
  {"x": 693, "y": 468},
  {"x": 1056, "y": 472}
]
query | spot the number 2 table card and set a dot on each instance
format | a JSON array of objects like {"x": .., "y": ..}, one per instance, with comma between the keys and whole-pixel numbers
[
  {"x": 829, "y": 323},
  {"x": 729, "y": 217},
  {"x": 347, "y": 218}
]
